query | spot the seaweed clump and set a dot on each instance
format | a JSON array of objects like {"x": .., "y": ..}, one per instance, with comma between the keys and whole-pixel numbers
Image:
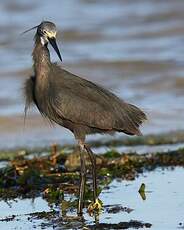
[{"x": 58, "y": 172}]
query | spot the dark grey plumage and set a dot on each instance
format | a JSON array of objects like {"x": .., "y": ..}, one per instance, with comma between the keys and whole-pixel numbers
[
  {"x": 73, "y": 102},
  {"x": 82, "y": 106}
]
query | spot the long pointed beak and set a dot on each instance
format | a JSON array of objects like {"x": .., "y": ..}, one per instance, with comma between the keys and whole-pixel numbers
[{"x": 54, "y": 45}]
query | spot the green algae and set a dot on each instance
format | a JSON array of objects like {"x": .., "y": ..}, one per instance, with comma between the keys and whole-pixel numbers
[
  {"x": 32, "y": 174},
  {"x": 112, "y": 154},
  {"x": 37, "y": 174},
  {"x": 47, "y": 176}
]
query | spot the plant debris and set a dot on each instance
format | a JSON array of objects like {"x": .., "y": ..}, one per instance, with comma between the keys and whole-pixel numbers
[
  {"x": 122, "y": 225},
  {"x": 8, "y": 218},
  {"x": 27, "y": 177},
  {"x": 117, "y": 208},
  {"x": 54, "y": 175}
]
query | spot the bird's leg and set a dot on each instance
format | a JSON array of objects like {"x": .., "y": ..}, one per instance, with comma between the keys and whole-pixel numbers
[
  {"x": 93, "y": 162},
  {"x": 82, "y": 178},
  {"x": 97, "y": 204}
]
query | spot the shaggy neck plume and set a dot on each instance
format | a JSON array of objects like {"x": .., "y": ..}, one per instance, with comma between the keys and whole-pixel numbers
[{"x": 41, "y": 59}]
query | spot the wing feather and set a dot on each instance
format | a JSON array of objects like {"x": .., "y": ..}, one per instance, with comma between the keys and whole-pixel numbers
[{"x": 84, "y": 102}]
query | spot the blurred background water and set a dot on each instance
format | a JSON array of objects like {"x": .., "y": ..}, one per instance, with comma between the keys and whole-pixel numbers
[{"x": 134, "y": 48}]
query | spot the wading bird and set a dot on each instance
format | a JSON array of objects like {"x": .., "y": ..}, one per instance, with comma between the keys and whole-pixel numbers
[{"x": 75, "y": 103}]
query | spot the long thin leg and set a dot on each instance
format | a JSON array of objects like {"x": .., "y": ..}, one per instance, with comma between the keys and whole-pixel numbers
[
  {"x": 82, "y": 179},
  {"x": 93, "y": 162}
]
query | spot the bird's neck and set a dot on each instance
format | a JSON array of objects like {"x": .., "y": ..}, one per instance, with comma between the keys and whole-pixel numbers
[{"x": 41, "y": 60}]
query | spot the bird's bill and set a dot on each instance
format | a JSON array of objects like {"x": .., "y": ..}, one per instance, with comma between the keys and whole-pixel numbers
[{"x": 54, "y": 45}]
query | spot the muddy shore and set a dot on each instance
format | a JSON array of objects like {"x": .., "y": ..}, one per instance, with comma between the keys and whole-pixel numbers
[{"x": 52, "y": 174}]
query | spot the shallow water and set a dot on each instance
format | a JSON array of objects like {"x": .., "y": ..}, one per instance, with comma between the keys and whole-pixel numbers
[
  {"x": 134, "y": 48},
  {"x": 162, "y": 208},
  {"x": 141, "y": 149}
]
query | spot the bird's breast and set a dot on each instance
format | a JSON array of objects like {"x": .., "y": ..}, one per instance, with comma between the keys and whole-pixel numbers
[{"x": 45, "y": 103}]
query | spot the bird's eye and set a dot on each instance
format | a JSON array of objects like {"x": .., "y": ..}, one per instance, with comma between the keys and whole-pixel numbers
[{"x": 44, "y": 31}]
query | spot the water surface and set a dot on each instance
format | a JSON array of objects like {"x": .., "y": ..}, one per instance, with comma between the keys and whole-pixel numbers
[
  {"x": 134, "y": 48},
  {"x": 162, "y": 208}
]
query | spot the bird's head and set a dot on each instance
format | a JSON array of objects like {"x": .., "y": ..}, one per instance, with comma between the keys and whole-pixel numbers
[{"x": 47, "y": 31}]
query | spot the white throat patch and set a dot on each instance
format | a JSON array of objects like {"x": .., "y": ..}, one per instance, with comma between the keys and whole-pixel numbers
[{"x": 43, "y": 41}]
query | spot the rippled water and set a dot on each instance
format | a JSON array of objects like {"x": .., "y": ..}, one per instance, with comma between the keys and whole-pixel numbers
[
  {"x": 163, "y": 207},
  {"x": 135, "y": 48}
]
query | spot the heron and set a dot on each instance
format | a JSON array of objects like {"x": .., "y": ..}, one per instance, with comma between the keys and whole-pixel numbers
[{"x": 75, "y": 103}]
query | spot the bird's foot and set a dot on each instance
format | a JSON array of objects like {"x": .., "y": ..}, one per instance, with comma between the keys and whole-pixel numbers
[{"x": 95, "y": 207}]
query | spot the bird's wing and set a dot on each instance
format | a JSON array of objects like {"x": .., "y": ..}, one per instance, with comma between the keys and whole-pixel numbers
[
  {"x": 84, "y": 102},
  {"x": 81, "y": 102}
]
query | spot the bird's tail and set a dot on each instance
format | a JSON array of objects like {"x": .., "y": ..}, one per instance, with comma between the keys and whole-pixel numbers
[{"x": 133, "y": 120}]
